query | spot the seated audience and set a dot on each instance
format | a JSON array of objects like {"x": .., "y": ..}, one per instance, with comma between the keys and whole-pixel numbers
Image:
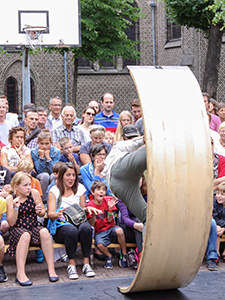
[
  {"x": 68, "y": 191},
  {"x": 69, "y": 129},
  {"x": 86, "y": 121},
  {"x": 220, "y": 147},
  {"x": 94, "y": 104},
  {"x": 27, "y": 167},
  {"x": 3, "y": 274},
  {"x": 219, "y": 215},
  {"x": 92, "y": 171},
  {"x": 135, "y": 106},
  {"x": 12, "y": 153},
  {"x": 221, "y": 111},
  {"x": 68, "y": 155},
  {"x": 44, "y": 157},
  {"x": 125, "y": 118},
  {"x": 109, "y": 137},
  {"x": 97, "y": 134},
  {"x": 23, "y": 207},
  {"x": 106, "y": 231}
]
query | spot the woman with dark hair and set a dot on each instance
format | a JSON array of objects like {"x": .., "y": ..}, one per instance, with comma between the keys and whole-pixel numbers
[
  {"x": 12, "y": 153},
  {"x": 70, "y": 191},
  {"x": 86, "y": 121},
  {"x": 92, "y": 171}
]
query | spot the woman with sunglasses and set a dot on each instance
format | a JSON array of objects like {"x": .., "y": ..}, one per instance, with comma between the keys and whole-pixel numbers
[
  {"x": 97, "y": 134},
  {"x": 86, "y": 121}
]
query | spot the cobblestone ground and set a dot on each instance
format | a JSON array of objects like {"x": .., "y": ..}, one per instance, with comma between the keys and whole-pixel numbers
[{"x": 39, "y": 275}]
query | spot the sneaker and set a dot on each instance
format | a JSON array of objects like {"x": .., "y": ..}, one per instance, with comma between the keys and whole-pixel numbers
[
  {"x": 132, "y": 261},
  {"x": 87, "y": 270},
  {"x": 123, "y": 260},
  {"x": 39, "y": 256},
  {"x": 108, "y": 263},
  {"x": 212, "y": 265},
  {"x": 72, "y": 272},
  {"x": 3, "y": 275},
  {"x": 64, "y": 258}
]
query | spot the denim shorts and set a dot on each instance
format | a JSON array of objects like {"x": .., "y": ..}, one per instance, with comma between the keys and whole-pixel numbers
[{"x": 106, "y": 237}]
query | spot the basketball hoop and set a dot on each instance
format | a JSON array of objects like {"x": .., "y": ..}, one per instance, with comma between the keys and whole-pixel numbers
[{"x": 34, "y": 35}]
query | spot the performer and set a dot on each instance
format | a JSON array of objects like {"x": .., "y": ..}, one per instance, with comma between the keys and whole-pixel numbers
[{"x": 123, "y": 169}]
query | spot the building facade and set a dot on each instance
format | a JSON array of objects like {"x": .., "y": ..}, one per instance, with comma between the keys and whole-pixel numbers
[{"x": 163, "y": 43}]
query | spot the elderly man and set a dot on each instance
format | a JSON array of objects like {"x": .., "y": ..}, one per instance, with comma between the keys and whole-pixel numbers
[
  {"x": 107, "y": 117},
  {"x": 54, "y": 118},
  {"x": 69, "y": 129}
]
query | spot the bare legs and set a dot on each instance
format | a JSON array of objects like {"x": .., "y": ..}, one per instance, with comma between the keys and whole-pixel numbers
[
  {"x": 47, "y": 248},
  {"x": 22, "y": 251}
]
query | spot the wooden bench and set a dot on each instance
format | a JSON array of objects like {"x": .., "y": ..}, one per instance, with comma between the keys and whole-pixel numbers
[{"x": 57, "y": 245}]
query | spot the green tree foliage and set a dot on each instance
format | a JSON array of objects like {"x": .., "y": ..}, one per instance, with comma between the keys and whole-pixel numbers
[
  {"x": 103, "y": 25},
  {"x": 190, "y": 13},
  {"x": 218, "y": 9},
  {"x": 208, "y": 16}
]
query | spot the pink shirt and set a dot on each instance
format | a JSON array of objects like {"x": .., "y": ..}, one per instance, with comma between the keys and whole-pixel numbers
[{"x": 215, "y": 122}]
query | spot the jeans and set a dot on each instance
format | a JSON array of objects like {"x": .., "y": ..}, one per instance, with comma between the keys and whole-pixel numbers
[{"x": 211, "y": 252}]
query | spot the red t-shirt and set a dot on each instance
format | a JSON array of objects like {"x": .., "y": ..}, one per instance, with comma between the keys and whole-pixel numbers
[{"x": 101, "y": 223}]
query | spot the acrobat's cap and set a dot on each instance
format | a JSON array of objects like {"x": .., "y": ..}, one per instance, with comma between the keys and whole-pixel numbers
[{"x": 130, "y": 131}]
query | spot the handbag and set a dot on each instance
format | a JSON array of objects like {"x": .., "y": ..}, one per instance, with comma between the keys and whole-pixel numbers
[{"x": 73, "y": 214}]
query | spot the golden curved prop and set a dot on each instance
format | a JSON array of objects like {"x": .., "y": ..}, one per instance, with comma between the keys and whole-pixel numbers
[{"x": 180, "y": 184}]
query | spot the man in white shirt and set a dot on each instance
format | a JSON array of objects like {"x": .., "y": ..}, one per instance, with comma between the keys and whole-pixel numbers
[{"x": 54, "y": 118}]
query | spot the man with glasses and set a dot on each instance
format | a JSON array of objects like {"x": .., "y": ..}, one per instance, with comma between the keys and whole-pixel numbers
[{"x": 54, "y": 118}]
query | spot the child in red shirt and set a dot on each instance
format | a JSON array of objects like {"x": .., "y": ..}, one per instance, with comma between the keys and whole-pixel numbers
[{"x": 106, "y": 231}]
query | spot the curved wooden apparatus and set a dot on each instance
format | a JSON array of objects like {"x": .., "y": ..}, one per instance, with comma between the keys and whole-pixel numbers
[{"x": 180, "y": 178}]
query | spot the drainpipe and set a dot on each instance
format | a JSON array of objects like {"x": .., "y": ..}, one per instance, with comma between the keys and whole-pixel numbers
[
  {"x": 65, "y": 75},
  {"x": 153, "y": 6}
]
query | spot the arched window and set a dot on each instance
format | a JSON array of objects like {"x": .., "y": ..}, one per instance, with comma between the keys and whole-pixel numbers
[
  {"x": 32, "y": 91},
  {"x": 11, "y": 91}
]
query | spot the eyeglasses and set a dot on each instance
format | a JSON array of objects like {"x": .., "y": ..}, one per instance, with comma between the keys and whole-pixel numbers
[
  {"x": 55, "y": 105},
  {"x": 101, "y": 154},
  {"x": 90, "y": 114}
]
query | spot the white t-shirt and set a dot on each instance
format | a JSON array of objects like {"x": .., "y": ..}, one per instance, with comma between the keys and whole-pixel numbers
[
  {"x": 13, "y": 156},
  {"x": 67, "y": 201}
]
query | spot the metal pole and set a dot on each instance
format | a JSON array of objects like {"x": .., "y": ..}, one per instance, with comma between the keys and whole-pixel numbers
[
  {"x": 65, "y": 74},
  {"x": 153, "y": 6},
  {"x": 26, "y": 76}
]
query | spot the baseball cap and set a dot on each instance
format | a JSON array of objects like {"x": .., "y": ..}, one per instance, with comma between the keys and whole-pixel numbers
[
  {"x": 130, "y": 131},
  {"x": 29, "y": 106}
]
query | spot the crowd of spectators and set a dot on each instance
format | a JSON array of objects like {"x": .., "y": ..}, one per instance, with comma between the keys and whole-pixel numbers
[{"x": 52, "y": 159}]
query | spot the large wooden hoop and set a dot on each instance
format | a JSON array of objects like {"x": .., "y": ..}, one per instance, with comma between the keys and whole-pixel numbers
[{"x": 180, "y": 184}]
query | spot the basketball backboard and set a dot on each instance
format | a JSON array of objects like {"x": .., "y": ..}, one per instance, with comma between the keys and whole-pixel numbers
[{"x": 62, "y": 19}]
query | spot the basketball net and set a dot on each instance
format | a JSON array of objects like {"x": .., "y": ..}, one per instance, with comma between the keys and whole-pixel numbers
[{"x": 34, "y": 35}]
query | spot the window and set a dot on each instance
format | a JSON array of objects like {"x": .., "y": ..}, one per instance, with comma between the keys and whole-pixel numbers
[
  {"x": 173, "y": 31},
  {"x": 84, "y": 63},
  {"x": 32, "y": 91},
  {"x": 133, "y": 34},
  {"x": 11, "y": 89}
]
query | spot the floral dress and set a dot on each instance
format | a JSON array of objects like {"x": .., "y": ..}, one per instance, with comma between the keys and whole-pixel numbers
[{"x": 26, "y": 222}]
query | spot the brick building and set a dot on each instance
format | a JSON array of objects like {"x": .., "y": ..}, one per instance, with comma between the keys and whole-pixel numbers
[{"x": 173, "y": 46}]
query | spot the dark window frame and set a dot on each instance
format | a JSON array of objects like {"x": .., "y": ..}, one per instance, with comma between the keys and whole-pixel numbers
[
  {"x": 11, "y": 92},
  {"x": 173, "y": 31}
]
